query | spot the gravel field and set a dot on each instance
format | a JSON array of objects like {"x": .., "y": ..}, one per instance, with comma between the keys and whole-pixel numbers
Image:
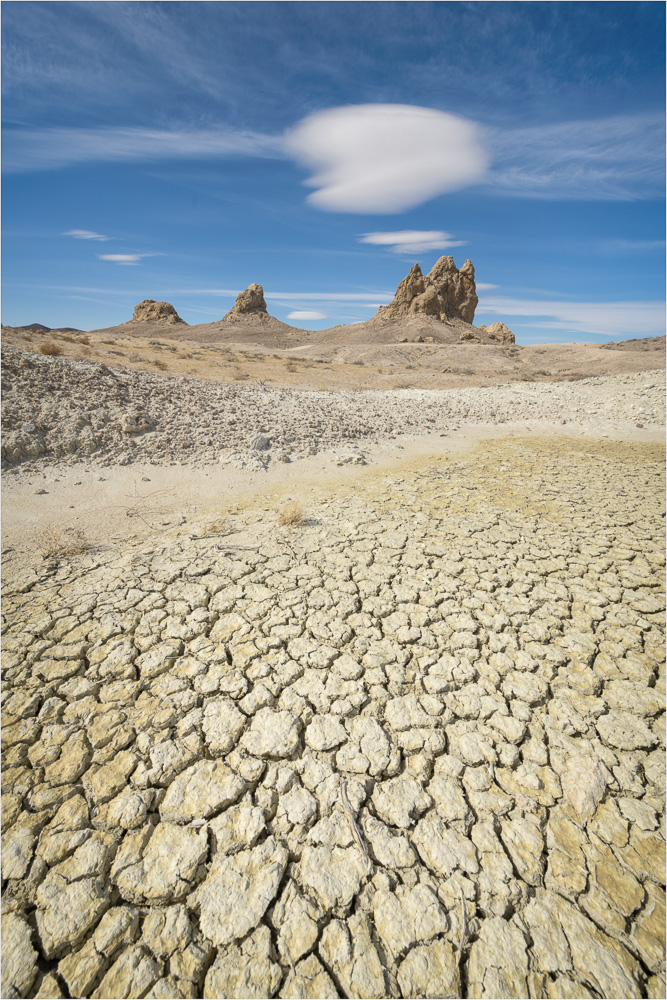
[
  {"x": 410, "y": 747},
  {"x": 57, "y": 411}
]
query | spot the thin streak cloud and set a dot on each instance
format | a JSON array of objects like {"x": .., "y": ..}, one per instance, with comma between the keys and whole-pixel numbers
[
  {"x": 306, "y": 314},
  {"x": 53, "y": 148},
  {"x": 609, "y": 319},
  {"x": 85, "y": 234},
  {"x": 412, "y": 240},
  {"x": 619, "y": 158},
  {"x": 126, "y": 258}
]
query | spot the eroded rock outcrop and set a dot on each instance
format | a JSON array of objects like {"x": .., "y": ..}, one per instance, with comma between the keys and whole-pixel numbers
[
  {"x": 249, "y": 301},
  {"x": 444, "y": 293},
  {"x": 150, "y": 311}
]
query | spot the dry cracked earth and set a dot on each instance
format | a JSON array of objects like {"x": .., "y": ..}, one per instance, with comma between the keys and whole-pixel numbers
[{"x": 413, "y": 747}]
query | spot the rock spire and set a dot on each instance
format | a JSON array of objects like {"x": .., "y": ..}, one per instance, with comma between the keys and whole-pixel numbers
[
  {"x": 249, "y": 301},
  {"x": 444, "y": 293}
]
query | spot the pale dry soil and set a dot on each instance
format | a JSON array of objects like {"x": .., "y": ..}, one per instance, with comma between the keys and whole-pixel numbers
[
  {"x": 343, "y": 358},
  {"x": 411, "y": 747}
]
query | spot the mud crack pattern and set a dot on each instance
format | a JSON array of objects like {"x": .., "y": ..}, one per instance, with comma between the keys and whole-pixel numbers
[{"x": 412, "y": 748}]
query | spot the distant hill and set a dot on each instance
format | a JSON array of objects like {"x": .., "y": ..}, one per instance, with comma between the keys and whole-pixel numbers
[
  {"x": 637, "y": 344},
  {"x": 48, "y": 329}
]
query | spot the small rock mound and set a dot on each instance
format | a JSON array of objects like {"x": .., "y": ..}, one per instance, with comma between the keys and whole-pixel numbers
[
  {"x": 499, "y": 332},
  {"x": 249, "y": 301},
  {"x": 444, "y": 293},
  {"x": 150, "y": 311}
]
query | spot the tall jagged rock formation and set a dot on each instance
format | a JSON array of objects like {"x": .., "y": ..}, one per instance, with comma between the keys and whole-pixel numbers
[
  {"x": 150, "y": 311},
  {"x": 444, "y": 293},
  {"x": 249, "y": 302}
]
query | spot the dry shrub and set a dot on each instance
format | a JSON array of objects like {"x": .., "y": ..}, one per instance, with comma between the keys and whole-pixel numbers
[
  {"x": 160, "y": 364},
  {"x": 51, "y": 349},
  {"x": 84, "y": 340},
  {"x": 291, "y": 515},
  {"x": 221, "y": 526},
  {"x": 56, "y": 543}
]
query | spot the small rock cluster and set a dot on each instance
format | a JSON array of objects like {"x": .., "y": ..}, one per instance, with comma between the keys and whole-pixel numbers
[
  {"x": 496, "y": 331},
  {"x": 415, "y": 749},
  {"x": 57, "y": 410}
]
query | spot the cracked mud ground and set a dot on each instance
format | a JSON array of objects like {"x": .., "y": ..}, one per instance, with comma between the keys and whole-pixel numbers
[{"x": 413, "y": 747}]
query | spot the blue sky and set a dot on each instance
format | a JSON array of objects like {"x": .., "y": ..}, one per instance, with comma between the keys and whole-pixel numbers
[{"x": 180, "y": 151}]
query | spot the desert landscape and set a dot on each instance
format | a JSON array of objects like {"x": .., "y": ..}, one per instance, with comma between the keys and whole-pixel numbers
[{"x": 333, "y": 661}]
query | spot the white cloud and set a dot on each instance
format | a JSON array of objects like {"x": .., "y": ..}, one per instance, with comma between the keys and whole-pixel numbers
[
  {"x": 609, "y": 319},
  {"x": 85, "y": 234},
  {"x": 384, "y": 158},
  {"x": 621, "y": 246},
  {"x": 377, "y": 158},
  {"x": 126, "y": 258},
  {"x": 305, "y": 314},
  {"x": 52, "y": 148},
  {"x": 484, "y": 286},
  {"x": 610, "y": 159},
  {"x": 412, "y": 240}
]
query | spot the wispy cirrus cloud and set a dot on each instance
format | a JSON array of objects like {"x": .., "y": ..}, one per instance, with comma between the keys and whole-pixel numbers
[
  {"x": 412, "y": 240},
  {"x": 85, "y": 234},
  {"x": 53, "y": 148},
  {"x": 388, "y": 158},
  {"x": 621, "y": 246},
  {"x": 617, "y": 158},
  {"x": 609, "y": 319},
  {"x": 385, "y": 158}
]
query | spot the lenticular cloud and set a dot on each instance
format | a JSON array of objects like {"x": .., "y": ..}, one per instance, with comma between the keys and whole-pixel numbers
[{"x": 384, "y": 158}]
